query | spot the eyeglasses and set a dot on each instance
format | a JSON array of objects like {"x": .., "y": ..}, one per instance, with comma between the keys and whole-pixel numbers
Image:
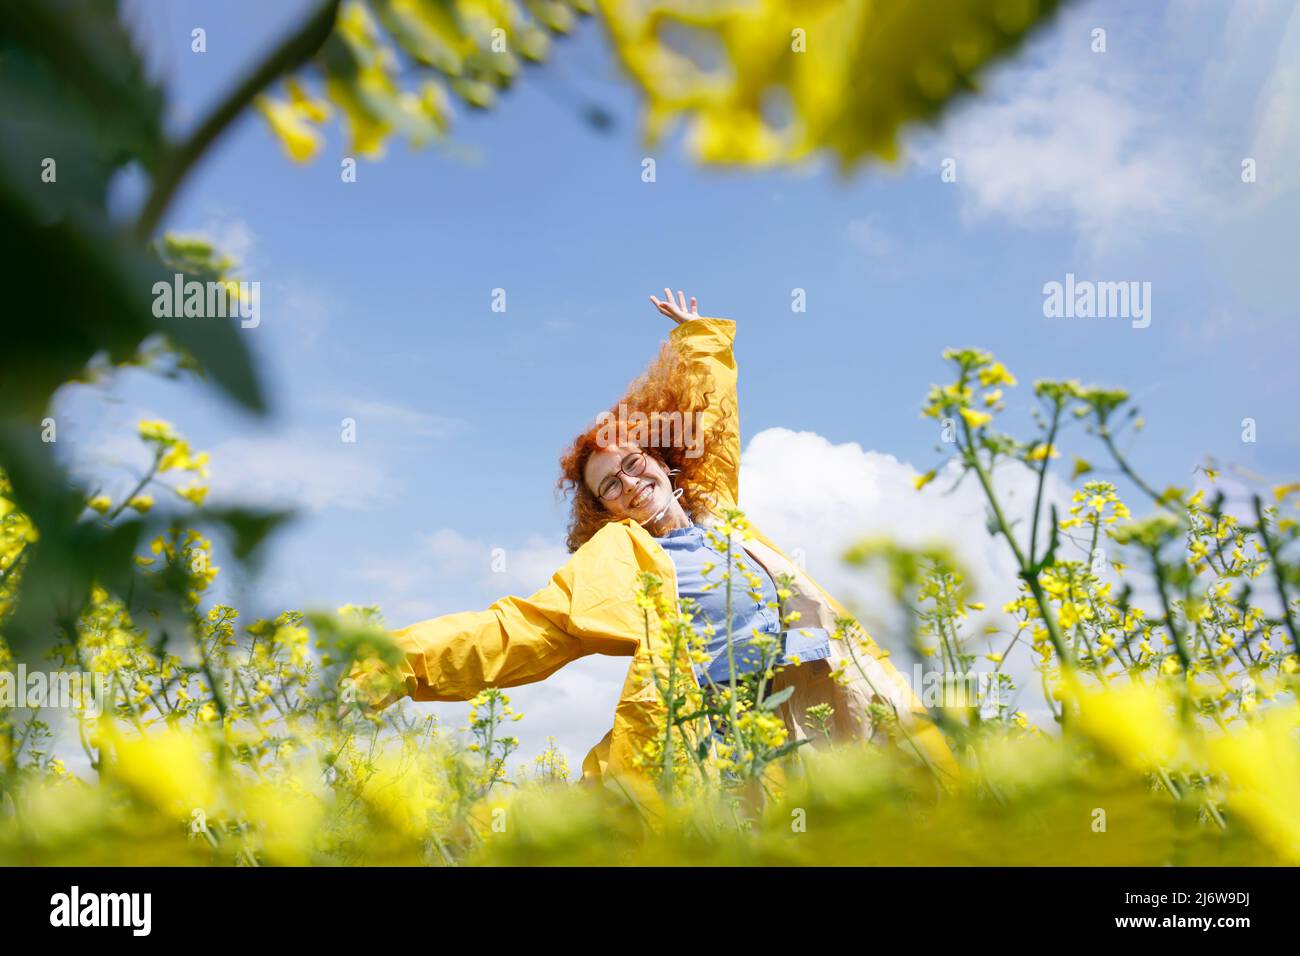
[{"x": 633, "y": 465}]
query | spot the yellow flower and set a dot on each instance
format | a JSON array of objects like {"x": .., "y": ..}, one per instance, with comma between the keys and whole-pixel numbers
[
  {"x": 922, "y": 480},
  {"x": 996, "y": 374},
  {"x": 155, "y": 430},
  {"x": 1133, "y": 722},
  {"x": 100, "y": 503},
  {"x": 315, "y": 110},
  {"x": 141, "y": 503},
  {"x": 168, "y": 770},
  {"x": 1041, "y": 451},
  {"x": 193, "y": 493},
  {"x": 976, "y": 419},
  {"x": 1282, "y": 491},
  {"x": 1069, "y": 614},
  {"x": 1263, "y": 765},
  {"x": 291, "y": 127}
]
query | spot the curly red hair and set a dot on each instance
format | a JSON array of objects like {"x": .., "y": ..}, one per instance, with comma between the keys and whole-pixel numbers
[{"x": 669, "y": 387}]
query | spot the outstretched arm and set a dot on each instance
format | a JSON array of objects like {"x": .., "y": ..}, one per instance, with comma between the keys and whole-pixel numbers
[
  {"x": 584, "y": 609},
  {"x": 706, "y": 344},
  {"x": 515, "y": 641}
]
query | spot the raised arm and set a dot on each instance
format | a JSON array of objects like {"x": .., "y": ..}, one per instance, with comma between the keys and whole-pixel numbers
[{"x": 706, "y": 344}]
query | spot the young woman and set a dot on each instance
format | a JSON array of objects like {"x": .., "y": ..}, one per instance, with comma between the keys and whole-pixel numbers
[{"x": 646, "y": 480}]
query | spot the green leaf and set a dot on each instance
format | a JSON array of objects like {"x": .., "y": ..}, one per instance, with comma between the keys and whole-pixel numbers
[
  {"x": 249, "y": 527},
  {"x": 776, "y": 700}
]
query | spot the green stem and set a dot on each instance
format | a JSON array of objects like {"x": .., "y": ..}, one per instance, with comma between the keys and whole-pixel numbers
[
  {"x": 1123, "y": 464},
  {"x": 1278, "y": 577},
  {"x": 731, "y": 665},
  {"x": 666, "y": 780},
  {"x": 1042, "y": 480},
  {"x": 1180, "y": 639},
  {"x": 1029, "y": 576},
  {"x": 295, "y": 50},
  {"x": 140, "y": 486}
]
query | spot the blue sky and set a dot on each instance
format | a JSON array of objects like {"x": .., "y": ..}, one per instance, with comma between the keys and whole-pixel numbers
[{"x": 1115, "y": 166}]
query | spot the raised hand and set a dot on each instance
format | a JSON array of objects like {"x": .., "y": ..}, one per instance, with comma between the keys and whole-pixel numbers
[{"x": 675, "y": 309}]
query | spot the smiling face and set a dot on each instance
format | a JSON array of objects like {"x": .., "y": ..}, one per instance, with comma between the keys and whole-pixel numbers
[{"x": 638, "y": 496}]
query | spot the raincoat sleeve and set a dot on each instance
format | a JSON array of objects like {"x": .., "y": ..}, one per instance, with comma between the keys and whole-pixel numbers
[
  {"x": 515, "y": 641},
  {"x": 706, "y": 344}
]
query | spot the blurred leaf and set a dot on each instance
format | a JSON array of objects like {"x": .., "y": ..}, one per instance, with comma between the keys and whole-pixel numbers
[
  {"x": 73, "y": 89},
  {"x": 774, "y": 701},
  {"x": 851, "y": 73},
  {"x": 249, "y": 527}
]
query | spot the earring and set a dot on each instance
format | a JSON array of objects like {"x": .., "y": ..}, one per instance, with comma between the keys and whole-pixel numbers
[{"x": 677, "y": 492}]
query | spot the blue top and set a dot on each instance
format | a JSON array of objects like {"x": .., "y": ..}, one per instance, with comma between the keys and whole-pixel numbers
[{"x": 690, "y": 550}]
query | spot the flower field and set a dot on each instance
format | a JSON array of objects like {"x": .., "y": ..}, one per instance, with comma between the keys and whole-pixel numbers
[{"x": 1165, "y": 644}]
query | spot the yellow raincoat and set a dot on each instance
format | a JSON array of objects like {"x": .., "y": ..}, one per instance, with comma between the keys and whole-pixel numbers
[{"x": 589, "y": 607}]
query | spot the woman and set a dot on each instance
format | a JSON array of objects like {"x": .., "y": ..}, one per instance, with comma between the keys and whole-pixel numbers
[{"x": 647, "y": 480}]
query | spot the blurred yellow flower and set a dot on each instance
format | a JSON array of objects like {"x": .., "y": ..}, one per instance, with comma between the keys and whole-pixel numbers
[
  {"x": 292, "y": 127},
  {"x": 1041, "y": 451},
  {"x": 1262, "y": 766},
  {"x": 193, "y": 493},
  {"x": 1133, "y": 722}
]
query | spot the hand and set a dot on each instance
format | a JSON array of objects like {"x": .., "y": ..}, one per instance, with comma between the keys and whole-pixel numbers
[
  {"x": 358, "y": 706},
  {"x": 348, "y": 701},
  {"x": 357, "y": 695},
  {"x": 675, "y": 309}
]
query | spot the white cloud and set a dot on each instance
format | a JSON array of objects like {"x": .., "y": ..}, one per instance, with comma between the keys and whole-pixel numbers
[
  {"x": 230, "y": 235},
  {"x": 1069, "y": 145},
  {"x": 409, "y": 420},
  {"x": 1250, "y": 86},
  {"x": 445, "y": 571},
  {"x": 809, "y": 494},
  {"x": 305, "y": 470},
  {"x": 1147, "y": 136},
  {"x": 301, "y": 309},
  {"x": 235, "y": 238},
  {"x": 868, "y": 235}
]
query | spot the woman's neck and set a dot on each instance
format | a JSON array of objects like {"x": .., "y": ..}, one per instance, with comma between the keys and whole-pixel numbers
[{"x": 673, "y": 517}]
